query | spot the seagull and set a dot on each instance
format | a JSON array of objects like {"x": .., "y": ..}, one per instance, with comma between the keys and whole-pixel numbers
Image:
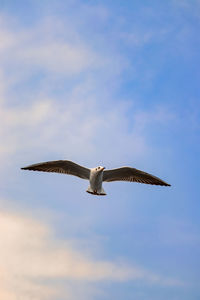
[{"x": 97, "y": 175}]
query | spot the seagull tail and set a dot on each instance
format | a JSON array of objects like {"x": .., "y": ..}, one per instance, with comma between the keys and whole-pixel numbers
[{"x": 102, "y": 192}]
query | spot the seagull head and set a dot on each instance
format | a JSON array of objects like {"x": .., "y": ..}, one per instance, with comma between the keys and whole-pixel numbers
[{"x": 99, "y": 169}]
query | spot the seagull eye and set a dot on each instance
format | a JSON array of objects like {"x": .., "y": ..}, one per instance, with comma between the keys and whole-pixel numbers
[{"x": 98, "y": 167}]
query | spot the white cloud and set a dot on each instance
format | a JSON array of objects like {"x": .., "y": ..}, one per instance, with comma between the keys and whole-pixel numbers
[
  {"x": 54, "y": 47},
  {"x": 83, "y": 121},
  {"x": 83, "y": 116},
  {"x": 57, "y": 57},
  {"x": 32, "y": 261},
  {"x": 40, "y": 48},
  {"x": 82, "y": 127},
  {"x": 68, "y": 127},
  {"x": 7, "y": 37}
]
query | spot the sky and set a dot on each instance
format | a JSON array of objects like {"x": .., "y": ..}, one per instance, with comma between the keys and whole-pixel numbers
[{"x": 107, "y": 83}]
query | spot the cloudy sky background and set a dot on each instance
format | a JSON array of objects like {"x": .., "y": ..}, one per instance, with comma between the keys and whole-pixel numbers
[{"x": 110, "y": 83}]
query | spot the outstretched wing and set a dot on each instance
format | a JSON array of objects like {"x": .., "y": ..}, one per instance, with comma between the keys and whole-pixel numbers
[
  {"x": 131, "y": 174},
  {"x": 61, "y": 166}
]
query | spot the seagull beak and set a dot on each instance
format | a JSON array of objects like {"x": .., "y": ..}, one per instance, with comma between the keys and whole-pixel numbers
[{"x": 103, "y": 168}]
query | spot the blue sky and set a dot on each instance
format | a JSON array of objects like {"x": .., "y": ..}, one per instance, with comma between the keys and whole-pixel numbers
[{"x": 111, "y": 83}]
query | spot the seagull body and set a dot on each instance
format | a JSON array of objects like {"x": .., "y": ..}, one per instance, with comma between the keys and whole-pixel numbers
[
  {"x": 96, "y": 180},
  {"x": 98, "y": 175}
]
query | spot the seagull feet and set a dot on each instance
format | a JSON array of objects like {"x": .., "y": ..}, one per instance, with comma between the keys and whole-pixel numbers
[{"x": 95, "y": 193}]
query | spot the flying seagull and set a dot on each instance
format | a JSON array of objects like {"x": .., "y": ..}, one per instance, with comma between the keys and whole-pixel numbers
[{"x": 97, "y": 175}]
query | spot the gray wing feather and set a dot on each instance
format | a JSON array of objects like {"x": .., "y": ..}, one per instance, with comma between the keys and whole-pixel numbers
[
  {"x": 61, "y": 166},
  {"x": 132, "y": 174}
]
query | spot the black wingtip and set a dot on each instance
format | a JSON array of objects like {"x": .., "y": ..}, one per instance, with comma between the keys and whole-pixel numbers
[{"x": 24, "y": 168}]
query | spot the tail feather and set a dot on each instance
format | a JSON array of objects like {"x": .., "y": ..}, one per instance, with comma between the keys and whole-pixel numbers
[{"x": 91, "y": 191}]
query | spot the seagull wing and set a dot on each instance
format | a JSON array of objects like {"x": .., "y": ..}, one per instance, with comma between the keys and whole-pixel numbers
[
  {"x": 131, "y": 174},
  {"x": 61, "y": 166}
]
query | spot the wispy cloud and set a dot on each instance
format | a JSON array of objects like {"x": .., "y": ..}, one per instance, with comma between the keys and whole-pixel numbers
[
  {"x": 32, "y": 260},
  {"x": 82, "y": 116},
  {"x": 40, "y": 48},
  {"x": 65, "y": 128},
  {"x": 55, "y": 48}
]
